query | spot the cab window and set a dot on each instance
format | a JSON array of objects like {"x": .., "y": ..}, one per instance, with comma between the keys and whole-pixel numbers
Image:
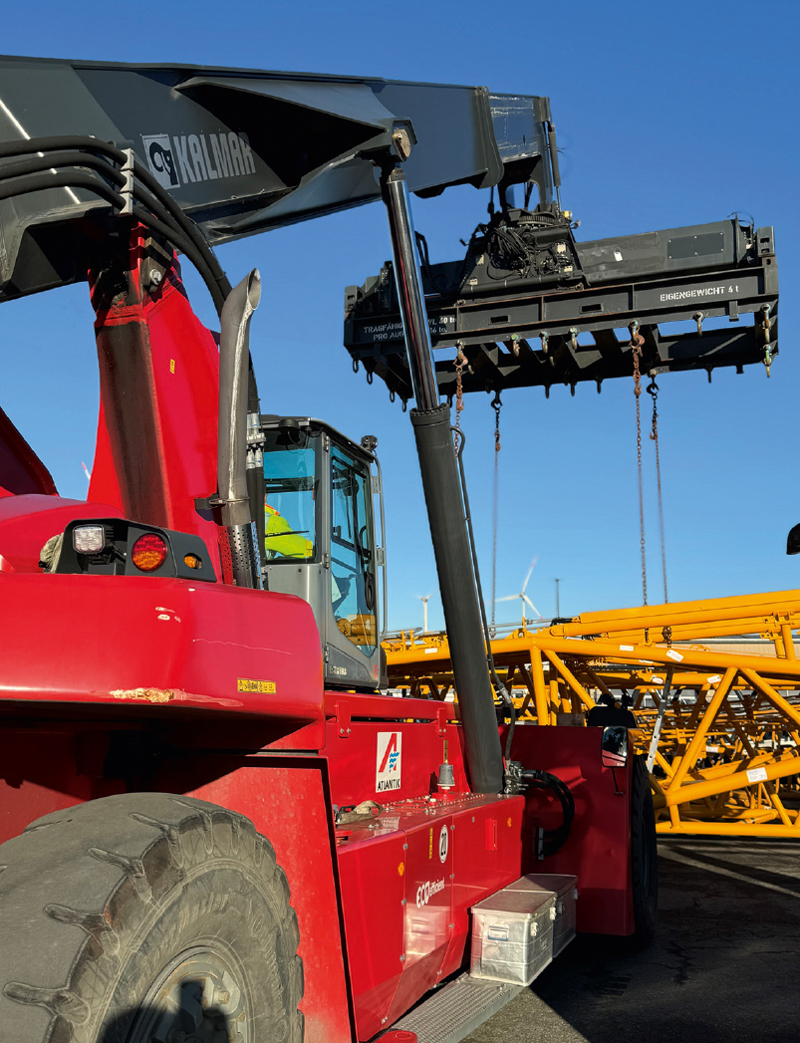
[
  {"x": 352, "y": 551},
  {"x": 290, "y": 480}
]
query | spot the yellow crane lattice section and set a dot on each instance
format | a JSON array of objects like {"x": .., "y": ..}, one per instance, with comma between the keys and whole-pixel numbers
[{"x": 718, "y": 714}]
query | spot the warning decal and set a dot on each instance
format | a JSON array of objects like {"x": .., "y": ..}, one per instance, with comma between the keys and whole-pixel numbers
[
  {"x": 388, "y": 761},
  {"x": 249, "y": 684}
]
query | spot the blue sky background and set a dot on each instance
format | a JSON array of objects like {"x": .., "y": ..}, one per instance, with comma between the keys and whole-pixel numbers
[{"x": 667, "y": 115}]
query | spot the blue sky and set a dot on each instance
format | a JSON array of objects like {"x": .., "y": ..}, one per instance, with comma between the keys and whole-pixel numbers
[{"x": 667, "y": 115}]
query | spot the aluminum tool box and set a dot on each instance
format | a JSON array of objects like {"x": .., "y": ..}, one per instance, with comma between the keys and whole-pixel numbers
[
  {"x": 512, "y": 935},
  {"x": 566, "y": 892}
]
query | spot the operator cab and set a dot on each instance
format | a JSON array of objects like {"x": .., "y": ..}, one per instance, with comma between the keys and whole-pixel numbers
[{"x": 319, "y": 540}]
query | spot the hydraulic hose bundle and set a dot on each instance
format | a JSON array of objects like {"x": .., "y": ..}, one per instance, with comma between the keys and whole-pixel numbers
[
  {"x": 83, "y": 162},
  {"x": 548, "y": 841},
  {"x": 115, "y": 176}
]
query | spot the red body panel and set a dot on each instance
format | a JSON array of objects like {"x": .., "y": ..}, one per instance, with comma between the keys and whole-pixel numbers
[
  {"x": 28, "y": 522},
  {"x": 399, "y": 944},
  {"x": 159, "y": 378},
  {"x": 597, "y": 850},
  {"x": 290, "y": 806},
  {"x": 21, "y": 470},
  {"x": 43, "y": 768},
  {"x": 409, "y": 879},
  {"x": 352, "y": 746},
  {"x": 160, "y": 643}
]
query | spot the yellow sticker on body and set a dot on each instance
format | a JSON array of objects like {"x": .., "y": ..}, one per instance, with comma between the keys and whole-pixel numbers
[{"x": 246, "y": 684}]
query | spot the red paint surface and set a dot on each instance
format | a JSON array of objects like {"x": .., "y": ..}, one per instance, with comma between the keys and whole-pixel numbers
[
  {"x": 598, "y": 848},
  {"x": 386, "y": 866},
  {"x": 27, "y": 523},
  {"x": 46, "y": 769},
  {"x": 40, "y": 773},
  {"x": 479, "y": 868},
  {"x": 193, "y": 641},
  {"x": 165, "y": 382},
  {"x": 373, "y": 888},
  {"x": 21, "y": 470},
  {"x": 407, "y": 893},
  {"x": 425, "y": 728},
  {"x": 288, "y": 805}
]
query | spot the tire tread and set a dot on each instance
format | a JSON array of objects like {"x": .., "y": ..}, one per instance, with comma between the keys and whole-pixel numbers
[{"x": 70, "y": 880}]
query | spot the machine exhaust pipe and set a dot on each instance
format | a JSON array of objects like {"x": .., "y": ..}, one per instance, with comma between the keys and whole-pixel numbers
[{"x": 232, "y": 486}]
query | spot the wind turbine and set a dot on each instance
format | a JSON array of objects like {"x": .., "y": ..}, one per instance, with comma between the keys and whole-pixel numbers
[
  {"x": 524, "y": 599},
  {"x": 425, "y": 601}
]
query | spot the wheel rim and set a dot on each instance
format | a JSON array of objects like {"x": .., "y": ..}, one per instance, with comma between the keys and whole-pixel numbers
[{"x": 197, "y": 998}]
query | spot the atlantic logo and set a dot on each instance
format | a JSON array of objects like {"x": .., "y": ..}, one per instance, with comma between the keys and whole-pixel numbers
[
  {"x": 388, "y": 761},
  {"x": 189, "y": 158}
]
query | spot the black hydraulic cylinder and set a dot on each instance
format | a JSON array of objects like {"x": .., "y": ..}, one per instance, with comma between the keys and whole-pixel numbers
[
  {"x": 409, "y": 291},
  {"x": 465, "y": 637},
  {"x": 443, "y": 498}
]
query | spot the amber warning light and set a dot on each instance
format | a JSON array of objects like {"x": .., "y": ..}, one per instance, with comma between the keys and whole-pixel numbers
[{"x": 149, "y": 552}]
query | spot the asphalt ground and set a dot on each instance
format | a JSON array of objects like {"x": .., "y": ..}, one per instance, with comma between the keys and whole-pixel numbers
[{"x": 725, "y": 966}]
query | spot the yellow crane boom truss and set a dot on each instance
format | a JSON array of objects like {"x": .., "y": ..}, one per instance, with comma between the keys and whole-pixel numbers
[{"x": 719, "y": 721}]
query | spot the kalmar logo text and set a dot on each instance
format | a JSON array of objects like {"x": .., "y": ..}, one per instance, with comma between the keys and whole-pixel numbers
[{"x": 197, "y": 157}]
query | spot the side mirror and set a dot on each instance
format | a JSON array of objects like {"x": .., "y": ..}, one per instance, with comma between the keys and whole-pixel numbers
[
  {"x": 615, "y": 746},
  {"x": 793, "y": 541}
]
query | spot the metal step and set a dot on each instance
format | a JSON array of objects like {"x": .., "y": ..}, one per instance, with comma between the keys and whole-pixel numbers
[{"x": 457, "y": 1009}]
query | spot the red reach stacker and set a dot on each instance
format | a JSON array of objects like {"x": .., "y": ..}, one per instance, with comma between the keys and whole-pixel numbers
[{"x": 216, "y": 823}]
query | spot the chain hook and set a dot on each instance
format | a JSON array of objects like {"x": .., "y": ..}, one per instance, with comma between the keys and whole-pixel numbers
[
  {"x": 460, "y": 362},
  {"x": 497, "y": 405},
  {"x": 766, "y": 328}
]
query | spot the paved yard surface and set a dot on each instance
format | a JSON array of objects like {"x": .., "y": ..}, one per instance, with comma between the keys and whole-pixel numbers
[{"x": 724, "y": 969}]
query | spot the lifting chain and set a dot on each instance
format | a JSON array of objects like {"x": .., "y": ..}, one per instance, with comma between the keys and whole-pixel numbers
[
  {"x": 460, "y": 362},
  {"x": 496, "y": 406},
  {"x": 637, "y": 341},
  {"x": 766, "y": 326},
  {"x": 652, "y": 390}
]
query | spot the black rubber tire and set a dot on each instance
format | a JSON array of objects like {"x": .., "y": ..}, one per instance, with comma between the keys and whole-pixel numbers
[
  {"x": 100, "y": 901},
  {"x": 644, "y": 857}
]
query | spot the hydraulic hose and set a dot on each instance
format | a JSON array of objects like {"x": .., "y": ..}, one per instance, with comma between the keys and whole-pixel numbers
[
  {"x": 77, "y": 179},
  {"x": 54, "y": 144},
  {"x": 550, "y": 840},
  {"x": 43, "y": 182},
  {"x": 73, "y": 158},
  {"x": 33, "y": 165}
]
